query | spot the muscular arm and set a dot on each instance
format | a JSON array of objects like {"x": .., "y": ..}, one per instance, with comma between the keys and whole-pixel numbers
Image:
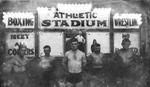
[
  {"x": 89, "y": 60},
  {"x": 7, "y": 68},
  {"x": 135, "y": 57},
  {"x": 8, "y": 65},
  {"x": 53, "y": 62},
  {"x": 64, "y": 62},
  {"x": 84, "y": 61},
  {"x": 40, "y": 61}
]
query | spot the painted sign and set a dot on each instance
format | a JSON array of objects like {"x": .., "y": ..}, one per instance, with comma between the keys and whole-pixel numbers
[
  {"x": 121, "y": 21},
  {"x": 13, "y": 40},
  {"x": 54, "y": 40},
  {"x": 55, "y": 19},
  {"x": 133, "y": 37},
  {"x": 19, "y": 20},
  {"x": 102, "y": 38}
]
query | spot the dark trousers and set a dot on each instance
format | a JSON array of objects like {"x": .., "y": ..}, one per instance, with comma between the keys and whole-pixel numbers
[{"x": 47, "y": 79}]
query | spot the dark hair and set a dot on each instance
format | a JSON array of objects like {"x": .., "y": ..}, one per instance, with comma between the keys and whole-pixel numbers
[
  {"x": 94, "y": 39},
  {"x": 125, "y": 40},
  {"x": 97, "y": 45},
  {"x": 46, "y": 46},
  {"x": 73, "y": 40}
]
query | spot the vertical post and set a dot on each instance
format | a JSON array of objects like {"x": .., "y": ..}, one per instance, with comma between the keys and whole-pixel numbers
[
  {"x": 147, "y": 27},
  {"x": 111, "y": 34},
  {"x": 36, "y": 30}
]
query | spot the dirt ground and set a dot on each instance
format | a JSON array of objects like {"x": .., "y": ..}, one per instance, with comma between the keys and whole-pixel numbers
[{"x": 111, "y": 78}]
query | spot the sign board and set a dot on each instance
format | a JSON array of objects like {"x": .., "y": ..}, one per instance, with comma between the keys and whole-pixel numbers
[
  {"x": 133, "y": 37},
  {"x": 13, "y": 40},
  {"x": 103, "y": 38},
  {"x": 54, "y": 40},
  {"x": 19, "y": 20},
  {"x": 122, "y": 21},
  {"x": 50, "y": 18}
]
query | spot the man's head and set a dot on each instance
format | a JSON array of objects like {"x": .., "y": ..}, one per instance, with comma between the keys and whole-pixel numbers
[
  {"x": 22, "y": 50},
  {"x": 97, "y": 48},
  {"x": 74, "y": 44},
  {"x": 126, "y": 43},
  {"x": 47, "y": 50},
  {"x": 80, "y": 32}
]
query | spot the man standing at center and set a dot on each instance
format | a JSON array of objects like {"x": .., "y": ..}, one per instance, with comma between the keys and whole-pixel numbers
[
  {"x": 74, "y": 61},
  {"x": 47, "y": 63}
]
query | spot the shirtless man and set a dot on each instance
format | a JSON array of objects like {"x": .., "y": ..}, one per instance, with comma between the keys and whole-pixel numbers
[
  {"x": 74, "y": 61},
  {"x": 125, "y": 53},
  {"x": 46, "y": 63},
  {"x": 95, "y": 60},
  {"x": 16, "y": 66}
]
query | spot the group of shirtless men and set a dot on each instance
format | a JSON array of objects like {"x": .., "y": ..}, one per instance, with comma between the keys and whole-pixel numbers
[{"x": 74, "y": 62}]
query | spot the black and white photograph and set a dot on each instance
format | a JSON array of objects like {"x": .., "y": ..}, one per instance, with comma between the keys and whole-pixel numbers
[{"x": 74, "y": 43}]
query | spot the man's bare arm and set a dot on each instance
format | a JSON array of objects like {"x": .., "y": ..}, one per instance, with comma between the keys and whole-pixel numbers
[
  {"x": 8, "y": 65},
  {"x": 84, "y": 61},
  {"x": 7, "y": 70},
  {"x": 64, "y": 62}
]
